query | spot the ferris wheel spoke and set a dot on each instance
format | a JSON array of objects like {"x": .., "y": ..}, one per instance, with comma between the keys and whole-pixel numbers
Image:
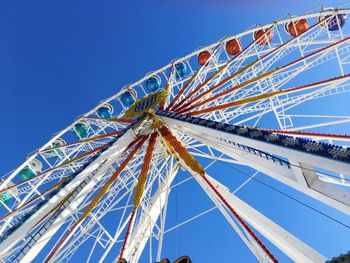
[
  {"x": 66, "y": 253},
  {"x": 145, "y": 201},
  {"x": 171, "y": 78},
  {"x": 113, "y": 198},
  {"x": 192, "y": 79},
  {"x": 301, "y": 175},
  {"x": 272, "y": 94},
  {"x": 140, "y": 187},
  {"x": 32, "y": 189},
  {"x": 98, "y": 196},
  {"x": 113, "y": 193},
  {"x": 100, "y": 209},
  {"x": 288, "y": 102},
  {"x": 187, "y": 160},
  {"x": 60, "y": 170},
  {"x": 284, "y": 105},
  {"x": 100, "y": 126},
  {"x": 248, "y": 95},
  {"x": 245, "y": 100},
  {"x": 337, "y": 120},
  {"x": 112, "y": 119},
  {"x": 93, "y": 138},
  {"x": 24, "y": 208},
  {"x": 335, "y": 87},
  {"x": 201, "y": 85},
  {"x": 182, "y": 105},
  {"x": 285, "y": 241},
  {"x": 71, "y": 163}
]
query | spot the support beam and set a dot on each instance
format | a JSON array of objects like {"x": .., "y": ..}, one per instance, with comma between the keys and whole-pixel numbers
[
  {"x": 285, "y": 241},
  {"x": 218, "y": 136},
  {"x": 251, "y": 151}
]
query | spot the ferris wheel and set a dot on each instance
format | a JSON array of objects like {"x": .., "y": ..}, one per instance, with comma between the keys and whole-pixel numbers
[{"x": 271, "y": 100}]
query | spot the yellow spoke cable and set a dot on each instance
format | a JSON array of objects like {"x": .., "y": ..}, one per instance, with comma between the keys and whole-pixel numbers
[{"x": 139, "y": 189}]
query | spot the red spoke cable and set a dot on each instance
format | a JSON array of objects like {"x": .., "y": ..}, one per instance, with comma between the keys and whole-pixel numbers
[
  {"x": 187, "y": 107},
  {"x": 127, "y": 233},
  {"x": 172, "y": 103},
  {"x": 184, "y": 88},
  {"x": 239, "y": 218},
  {"x": 179, "y": 105},
  {"x": 265, "y": 96},
  {"x": 220, "y": 94},
  {"x": 188, "y": 96}
]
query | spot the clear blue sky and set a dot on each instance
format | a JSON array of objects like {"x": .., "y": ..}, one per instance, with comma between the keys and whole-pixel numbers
[{"x": 58, "y": 59}]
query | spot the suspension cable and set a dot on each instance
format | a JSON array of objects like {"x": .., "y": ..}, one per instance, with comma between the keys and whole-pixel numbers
[{"x": 266, "y": 95}]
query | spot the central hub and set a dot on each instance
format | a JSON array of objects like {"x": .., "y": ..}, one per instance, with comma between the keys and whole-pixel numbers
[
  {"x": 145, "y": 104},
  {"x": 147, "y": 124}
]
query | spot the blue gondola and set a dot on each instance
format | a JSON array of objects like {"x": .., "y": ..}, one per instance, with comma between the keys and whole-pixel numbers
[
  {"x": 5, "y": 198},
  {"x": 127, "y": 99},
  {"x": 180, "y": 69},
  {"x": 26, "y": 173},
  {"x": 105, "y": 111},
  {"x": 81, "y": 129},
  {"x": 153, "y": 83},
  {"x": 333, "y": 23}
]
